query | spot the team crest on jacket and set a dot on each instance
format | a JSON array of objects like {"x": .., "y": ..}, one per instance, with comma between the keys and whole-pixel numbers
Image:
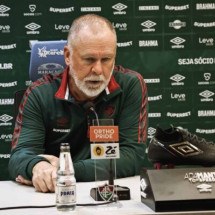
[
  {"x": 62, "y": 121},
  {"x": 109, "y": 110}
]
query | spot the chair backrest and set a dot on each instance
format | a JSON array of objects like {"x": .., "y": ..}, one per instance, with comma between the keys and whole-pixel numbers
[{"x": 46, "y": 57}]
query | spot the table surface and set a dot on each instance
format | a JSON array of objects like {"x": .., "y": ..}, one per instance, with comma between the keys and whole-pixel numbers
[{"x": 14, "y": 194}]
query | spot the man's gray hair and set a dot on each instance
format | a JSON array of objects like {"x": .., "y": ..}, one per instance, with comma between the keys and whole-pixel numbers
[{"x": 88, "y": 21}]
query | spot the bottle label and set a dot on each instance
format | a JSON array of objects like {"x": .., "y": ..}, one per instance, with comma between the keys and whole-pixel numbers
[{"x": 66, "y": 194}]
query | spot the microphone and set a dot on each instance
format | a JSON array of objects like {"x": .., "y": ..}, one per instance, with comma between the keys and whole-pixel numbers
[{"x": 89, "y": 106}]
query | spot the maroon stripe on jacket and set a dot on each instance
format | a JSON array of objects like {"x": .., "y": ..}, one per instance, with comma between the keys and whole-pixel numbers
[
  {"x": 143, "y": 118},
  {"x": 19, "y": 118}
]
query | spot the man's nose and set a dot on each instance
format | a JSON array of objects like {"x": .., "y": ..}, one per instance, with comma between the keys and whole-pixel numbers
[{"x": 97, "y": 68}]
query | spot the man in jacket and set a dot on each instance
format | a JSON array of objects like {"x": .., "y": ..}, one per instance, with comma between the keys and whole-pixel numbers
[{"x": 53, "y": 110}]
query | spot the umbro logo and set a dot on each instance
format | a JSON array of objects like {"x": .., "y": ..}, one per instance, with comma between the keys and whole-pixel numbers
[
  {"x": 185, "y": 149},
  {"x": 151, "y": 131},
  {"x": 148, "y": 24},
  {"x": 5, "y": 118},
  {"x": 32, "y": 26},
  {"x": 120, "y": 9},
  {"x": 206, "y": 94},
  {"x": 143, "y": 187},
  {"x": 177, "y": 78},
  {"x": 177, "y": 43},
  {"x": 177, "y": 40},
  {"x": 205, "y": 188},
  {"x": 4, "y": 8},
  {"x": 119, "y": 6}
]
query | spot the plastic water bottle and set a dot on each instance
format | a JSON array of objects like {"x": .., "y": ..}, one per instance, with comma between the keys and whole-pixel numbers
[{"x": 66, "y": 182}]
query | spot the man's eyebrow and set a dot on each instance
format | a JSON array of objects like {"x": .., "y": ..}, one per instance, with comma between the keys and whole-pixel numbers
[{"x": 109, "y": 55}]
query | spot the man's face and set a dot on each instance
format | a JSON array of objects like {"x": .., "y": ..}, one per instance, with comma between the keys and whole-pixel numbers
[{"x": 91, "y": 63}]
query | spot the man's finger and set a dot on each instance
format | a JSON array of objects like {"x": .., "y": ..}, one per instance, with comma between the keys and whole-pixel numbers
[
  {"x": 54, "y": 179},
  {"x": 22, "y": 180}
]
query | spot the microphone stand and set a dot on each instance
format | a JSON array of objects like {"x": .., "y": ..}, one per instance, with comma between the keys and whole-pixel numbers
[{"x": 119, "y": 192}]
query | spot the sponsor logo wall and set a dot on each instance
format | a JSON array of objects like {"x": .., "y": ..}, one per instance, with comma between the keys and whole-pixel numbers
[{"x": 170, "y": 42}]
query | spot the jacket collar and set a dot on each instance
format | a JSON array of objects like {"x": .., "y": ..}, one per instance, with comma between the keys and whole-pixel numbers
[{"x": 63, "y": 90}]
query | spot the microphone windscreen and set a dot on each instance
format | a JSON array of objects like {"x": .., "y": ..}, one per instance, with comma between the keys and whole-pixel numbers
[{"x": 88, "y": 105}]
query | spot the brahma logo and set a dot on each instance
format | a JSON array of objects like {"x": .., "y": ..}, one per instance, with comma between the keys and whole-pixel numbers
[
  {"x": 206, "y": 113},
  {"x": 148, "y": 43},
  {"x": 205, "y": 6},
  {"x": 119, "y": 7}
]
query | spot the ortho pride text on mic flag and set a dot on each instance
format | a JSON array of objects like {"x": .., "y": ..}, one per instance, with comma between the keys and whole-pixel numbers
[{"x": 104, "y": 133}]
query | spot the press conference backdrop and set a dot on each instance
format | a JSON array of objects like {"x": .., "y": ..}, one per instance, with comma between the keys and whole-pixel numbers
[{"x": 170, "y": 42}]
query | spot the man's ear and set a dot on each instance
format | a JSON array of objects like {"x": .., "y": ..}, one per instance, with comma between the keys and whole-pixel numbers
[{"x": 67, "y": 55}]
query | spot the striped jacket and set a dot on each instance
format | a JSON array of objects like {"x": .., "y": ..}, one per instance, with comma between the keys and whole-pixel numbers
[{"x": 49, "y": 115}]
